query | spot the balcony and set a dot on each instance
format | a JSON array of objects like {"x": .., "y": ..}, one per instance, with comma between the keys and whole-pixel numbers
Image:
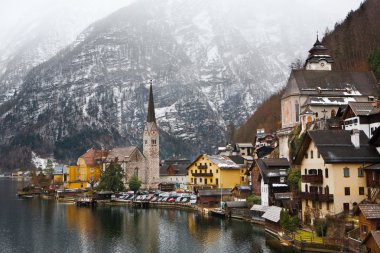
[
  {"x": 313, "y": 179},
  {"x": 373, "y": 183},
  {"x": 202, "y": 167},
  {"x": 315, "y": 196},
  {"x": 202, "y": 174}
]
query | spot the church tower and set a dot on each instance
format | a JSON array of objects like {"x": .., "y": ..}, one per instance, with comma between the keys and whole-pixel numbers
[
  {"x": 318, "y": 58},
  {"x": 151, "y": 147}
]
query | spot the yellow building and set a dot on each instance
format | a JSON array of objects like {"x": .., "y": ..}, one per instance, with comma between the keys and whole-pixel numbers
[
  {"x": 59, "y": 174},
  {"x": 87, "y": 171},
  {"x": 215, "y": 171},
  {"x": 332, "y": 175}
]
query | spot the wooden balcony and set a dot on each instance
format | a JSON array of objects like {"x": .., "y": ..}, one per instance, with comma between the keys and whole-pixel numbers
[
  {"x": 315, "y": 196},
  {"x": 373, "y": 183},
  {"x": 202, "y": 174},
  {"x": 312, "y": 179},
  {"x": 202, "y": 167}
]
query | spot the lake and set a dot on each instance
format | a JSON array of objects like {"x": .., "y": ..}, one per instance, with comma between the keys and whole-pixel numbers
[{"x": 36, "y": 225}]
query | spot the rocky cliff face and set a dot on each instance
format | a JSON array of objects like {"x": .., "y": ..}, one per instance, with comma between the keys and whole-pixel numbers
[{"x": 207, "y": 72}]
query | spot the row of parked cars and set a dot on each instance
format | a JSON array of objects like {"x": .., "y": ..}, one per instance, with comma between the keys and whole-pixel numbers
[{"x": 160, "y": 197}]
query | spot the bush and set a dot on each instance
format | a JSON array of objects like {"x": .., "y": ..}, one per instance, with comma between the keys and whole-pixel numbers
[
  {"x": 321, "y": 226},
  {"x": 253, "y": 200}
]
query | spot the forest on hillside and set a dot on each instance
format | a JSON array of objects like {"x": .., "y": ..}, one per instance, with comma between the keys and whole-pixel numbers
[{"x": 354, "y": 45}]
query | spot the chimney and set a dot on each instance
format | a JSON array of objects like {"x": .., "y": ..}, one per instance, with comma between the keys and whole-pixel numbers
[{"x": 355, "y": 139}]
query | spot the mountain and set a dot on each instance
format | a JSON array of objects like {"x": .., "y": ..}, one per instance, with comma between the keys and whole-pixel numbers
[
  {"x": 354, "y": 45},
  {"x": 211, "y": 62},
  {"x": 38, "y": 31}
]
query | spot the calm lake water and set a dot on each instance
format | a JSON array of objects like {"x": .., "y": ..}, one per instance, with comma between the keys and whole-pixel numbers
[{"x": 35, "y": 225}]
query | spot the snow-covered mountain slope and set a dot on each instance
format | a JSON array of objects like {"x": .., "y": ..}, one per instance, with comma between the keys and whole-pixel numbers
[{"x": 39, "y": 30}]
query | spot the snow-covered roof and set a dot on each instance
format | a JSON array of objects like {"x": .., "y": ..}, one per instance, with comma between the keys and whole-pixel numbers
[
  {"x": 272, "y": 214},
  {"x": 223, "y": 162},
  {"x": 330, "y": 100}
]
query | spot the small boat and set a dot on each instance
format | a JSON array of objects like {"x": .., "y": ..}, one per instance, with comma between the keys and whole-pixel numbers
[{"x": 218, "y": 212}]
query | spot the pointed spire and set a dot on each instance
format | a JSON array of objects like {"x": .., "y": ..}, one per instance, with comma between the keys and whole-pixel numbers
[{"x": 151, "y": 117}]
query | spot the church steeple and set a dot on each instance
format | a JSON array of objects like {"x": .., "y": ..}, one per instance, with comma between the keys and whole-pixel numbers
[
  {"x": 319, "y": 58},
  {"x": 151, "y": 117}
]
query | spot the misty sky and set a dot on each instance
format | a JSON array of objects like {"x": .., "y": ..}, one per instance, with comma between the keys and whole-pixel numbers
[{"x": 21, "y": 15}]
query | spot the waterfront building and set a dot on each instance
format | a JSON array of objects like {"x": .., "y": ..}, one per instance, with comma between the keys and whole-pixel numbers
[
  {"x": 174, "y": 171},
  {"x": 369, "y": 219},
  {"x": 131, "y": 161},
  {"x": 59, "y": 174},
  {"x": 214, "y": 197},
  {"x": 321, "y": 90},
  {"x": 332, "y": 166},
  {"x": 215, "y": 171}
]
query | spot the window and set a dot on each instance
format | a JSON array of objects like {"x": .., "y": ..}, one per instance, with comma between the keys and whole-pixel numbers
[
  {"x": 146, "y": 142},
  {"x": 297, "y": 110},
  {"x": 311, "y": 154},
  {"x": 136, "y": 173},
  {"x": 306, "y": 155},
  {"x": 318, "y": 154},
  {"x": 305, "y": 171},
  {"x": 205, "y": 180},
  {"x": 210, "y": 164},
  {"x": 361, "y": 190},
  {"x": 200, "y": 180},
  {"x": 327, "y": 173},
  {"x": 242, "y": 171},
  {"x": 327, "y": 206},
  {"x": 346, "y": 172},
  {"x": 360, "y": 172},
  {"x": 210, "y": 180},
  {"x": 217, "y": 181},
  {"x": 242, "y": 179},
  {"x": 192, "y": 180},
  {"x": 210, "y": 171},
  {"x": 154, "y": 142},
  {"x": 195, "y": 164},
  {"x": 216, "y": 171},
  {"x": 306, "y": 188},
  {"x": 347, "y": 191}
]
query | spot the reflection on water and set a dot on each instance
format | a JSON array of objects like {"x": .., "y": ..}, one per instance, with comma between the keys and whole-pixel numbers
[{"x": 35, "y": 225}]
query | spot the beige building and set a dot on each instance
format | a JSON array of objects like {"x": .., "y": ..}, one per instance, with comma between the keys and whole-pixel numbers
[
  {"x": 317, "y": 92},
  {"x": 332, "y": 166}
]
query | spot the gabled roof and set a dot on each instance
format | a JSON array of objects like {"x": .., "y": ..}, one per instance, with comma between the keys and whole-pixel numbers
[
  {"x": 363, "y": 108},
  {"x": 179, "y": 169},
  {"x": 335, "y": 147},
  {"x": 375, "y": 166},
  {"x": 260, "y": 208},
  {"x": 273, "y": 167},
  {"x": 93, "y": 156},
  {"x": 330, "y": 83},
  {"x": 272, "y": 214},
  {"x": 370, "y": 211},
  {"x": 237, "y": 159},
  {"x": 375, "y": 235},
  {"x": 121, "y": 154}
]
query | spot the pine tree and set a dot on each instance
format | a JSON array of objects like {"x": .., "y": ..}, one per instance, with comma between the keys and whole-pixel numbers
[{"x": 112, "y": 178}]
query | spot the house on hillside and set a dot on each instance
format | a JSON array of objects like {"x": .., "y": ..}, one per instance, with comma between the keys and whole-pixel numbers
[
  {"x": 332, "y": 166},
  {"x": 318, "y": 91},
  {"x": 269, "y": 177},
  {"x": 364, "y": 116},
  {"x": 59, "y": 174}
]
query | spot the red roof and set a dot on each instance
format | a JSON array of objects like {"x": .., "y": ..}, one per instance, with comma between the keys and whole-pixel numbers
[{"x": 92, "y": 156}]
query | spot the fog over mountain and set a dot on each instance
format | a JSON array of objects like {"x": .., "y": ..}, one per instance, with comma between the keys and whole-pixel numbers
[{"x": 212, "y": 63}]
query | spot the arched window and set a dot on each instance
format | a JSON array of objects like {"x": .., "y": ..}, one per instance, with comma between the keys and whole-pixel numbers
[{"x": 136, "y": 172}]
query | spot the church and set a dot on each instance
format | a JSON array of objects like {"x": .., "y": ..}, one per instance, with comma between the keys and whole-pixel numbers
[
  {"x": 317, "y": 92},
  {"x": 144, "y": 165}
]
